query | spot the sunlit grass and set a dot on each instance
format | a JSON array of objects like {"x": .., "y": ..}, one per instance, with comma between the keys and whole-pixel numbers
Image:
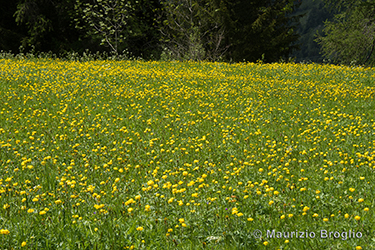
[{"x": 129, "y": 154}]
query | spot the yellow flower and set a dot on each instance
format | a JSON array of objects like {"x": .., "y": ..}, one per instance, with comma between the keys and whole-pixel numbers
[
  {"x": 23, "y": 244},
  {"x": 315, "y": 215},
  {"x": 346, "y": 216},
  {"x": 139, "y": 228},
  {"x": 366, "y": 209},
  {"x": 270, "y": 203},
  {"x": 282, "y": 216},
  {"x": 290, "y": 215},
  {"x": 234, "y": 210},
  {"x": 57, "y": 202},
  {"x": 265, "y": 243},
  {"x": 138, "y": 197},
  {"x": 130, "y": 209},
  {"x": 30, "y": 210},
  {"x": 42, "y": 212},
  {"x": 357, "y": 217},
  {"x": 358, "y": 247},
  {"x": 360, "y": 200},
  {"x": 147, "y": 208},
  {"x": 250, "y": 219},
  {"x": 4, "y": 231},
  {"x": 129, "y": 201},
  {"x": 325, "y": 219},
  {"x": 181, "y": 220}
]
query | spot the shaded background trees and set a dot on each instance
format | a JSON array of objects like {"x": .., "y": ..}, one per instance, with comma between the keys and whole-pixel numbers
[
  {"x": 315, "y": 14},
  {"x": 188, "y": 29},
  {"x": 350, "y": 36},
  {"x": 229, "y": 30},
  {"x": 47, "y": 25},
  {"x": 262, "y": 29},
  {"x": 194, "y": 30},
  {"x": 61, "y": 26}
]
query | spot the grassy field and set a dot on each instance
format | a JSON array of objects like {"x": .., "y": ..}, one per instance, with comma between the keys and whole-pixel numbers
[{"x": 152, "y": 155}]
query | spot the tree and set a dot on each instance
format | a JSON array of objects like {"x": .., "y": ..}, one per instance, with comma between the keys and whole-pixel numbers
[
  {"x": 193, "y": 29},
  {"x": 62, "y": 26},
  {"x": 350, "y": 37},
  {"x": 106, "y": 18},
  {"x": 142, "y": 37},
  {"x": 231, "y": 29},
  {"x": 261, "y": 29},
  {"x": 48, "y": 24},
  {"x": 11, "y": 34}
]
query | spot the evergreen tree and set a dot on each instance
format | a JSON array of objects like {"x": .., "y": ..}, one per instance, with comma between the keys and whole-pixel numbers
[
  {"x": 261, "y": 29},
  {"x": 49, "y": 25}
]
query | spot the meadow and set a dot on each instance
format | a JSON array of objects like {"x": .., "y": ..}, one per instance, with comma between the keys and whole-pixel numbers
[{"x": 186, "y": 155}]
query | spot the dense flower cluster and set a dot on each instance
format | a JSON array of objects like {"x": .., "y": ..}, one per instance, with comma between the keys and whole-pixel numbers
[{"x": 138, "y": 154}]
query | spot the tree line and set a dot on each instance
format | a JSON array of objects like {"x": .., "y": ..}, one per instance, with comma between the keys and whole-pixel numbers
[{"x": 214, "y": 30}]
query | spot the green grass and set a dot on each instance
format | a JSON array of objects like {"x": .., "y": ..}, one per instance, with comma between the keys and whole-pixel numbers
[{"x": 151, "y": 155}]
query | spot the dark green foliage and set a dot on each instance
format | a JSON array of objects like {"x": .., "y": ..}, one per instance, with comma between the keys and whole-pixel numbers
[
  {"x": 143, "y": 41},
  {"x": 106, "y": 20},
  {"x": 48, "y": 24},
  {"x": 232, "y": 30},
  {"x": 350, "y": 37},
  {"x": 261, "y": 29},
  {"x": 10, "y": 33},
  {"x": 193, "y": 30},
  {"x": 197, "y": 29},
  {"x": 315, "y": 14},
  {"x": 51, "y": 26}
]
